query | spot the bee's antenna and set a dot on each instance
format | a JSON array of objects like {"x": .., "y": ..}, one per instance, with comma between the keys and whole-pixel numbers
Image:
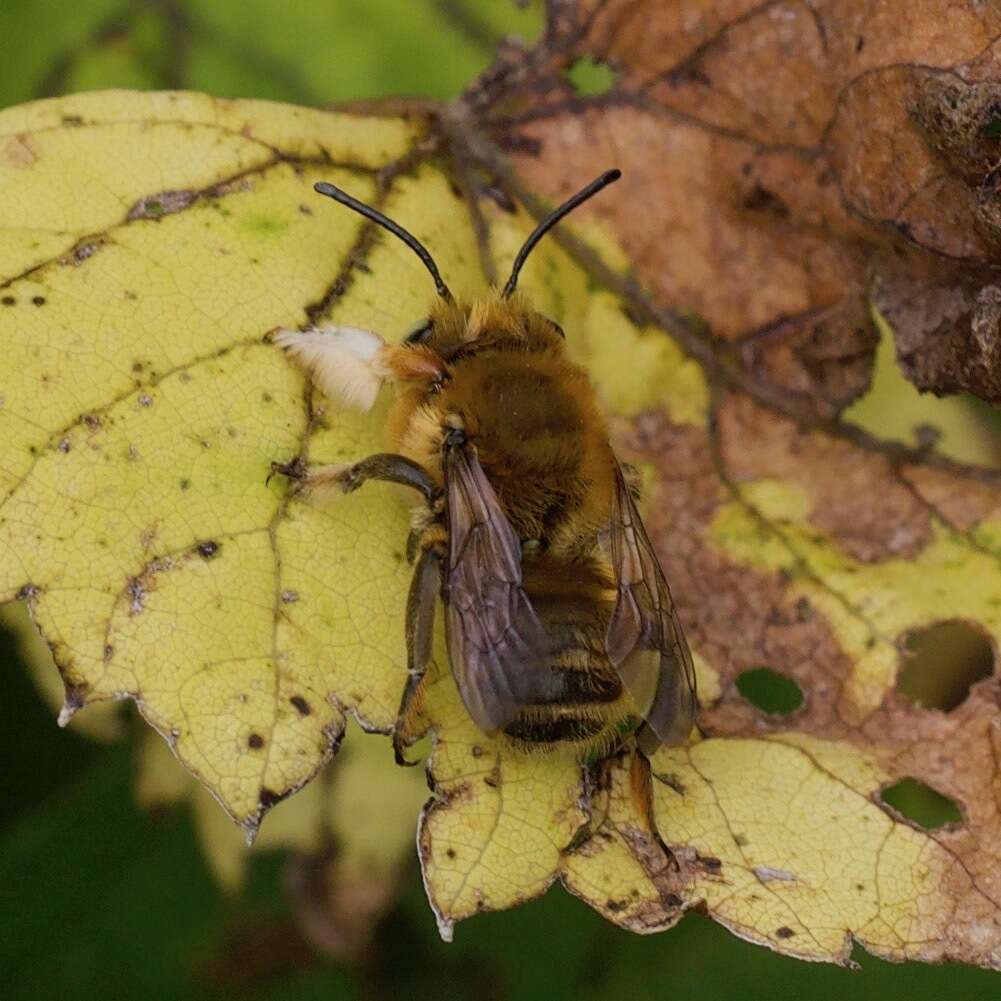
[
  {"x": 552, "y": 219},
  {"x": 331, "y": 191}
]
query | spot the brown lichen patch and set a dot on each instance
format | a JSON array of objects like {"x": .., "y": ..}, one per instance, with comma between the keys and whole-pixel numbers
[
  {"x": 138, "y": 587},
  {"x": 84, "y": 249},
  {"x": 856, "y": 498},
  {"x": 161, "y": 204}
]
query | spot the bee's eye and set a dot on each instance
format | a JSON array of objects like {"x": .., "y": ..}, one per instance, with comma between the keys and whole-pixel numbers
[
  {"x": 419, "y": 332},
  {"x": 556, "y": 327}
]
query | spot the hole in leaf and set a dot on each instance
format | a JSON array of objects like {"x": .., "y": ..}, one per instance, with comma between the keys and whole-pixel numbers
[
  {"x": 770, "y": 691},
  {"x": 992, "y": 130},
  {"x": 942, "y": 662},
  {"x": 590, "y": 78},
  {"x": 922, "y": 804}
]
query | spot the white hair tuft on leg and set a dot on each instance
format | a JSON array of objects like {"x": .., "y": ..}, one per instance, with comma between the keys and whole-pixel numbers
[{"x": 341, "y": 361}]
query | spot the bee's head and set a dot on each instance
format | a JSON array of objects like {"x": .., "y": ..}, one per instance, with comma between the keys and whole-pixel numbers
[{"x": 452, "y": 326}]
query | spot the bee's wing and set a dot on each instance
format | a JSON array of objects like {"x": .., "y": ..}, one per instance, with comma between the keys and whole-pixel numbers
[
  {"x": 496, "y": 643},
  {"x": 644, "y": 640}
]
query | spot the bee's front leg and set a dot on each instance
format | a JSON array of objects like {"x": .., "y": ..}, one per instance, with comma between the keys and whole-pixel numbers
[
  {"x": 425, "y": 588},
  {"x": 348, "y": 477}
]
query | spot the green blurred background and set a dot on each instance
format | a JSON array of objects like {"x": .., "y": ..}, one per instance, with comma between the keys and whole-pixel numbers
[{"x": 99, "y": 900}]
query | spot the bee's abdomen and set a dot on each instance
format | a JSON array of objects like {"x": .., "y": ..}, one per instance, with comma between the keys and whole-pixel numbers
[
  {"x": 574, "y": 679},
  {"x": 580, "y": 699},
  {"x": 556, "y": 729}
]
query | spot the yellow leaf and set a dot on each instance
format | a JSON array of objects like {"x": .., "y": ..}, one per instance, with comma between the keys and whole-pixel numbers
[{"x": 142, "y": 407}]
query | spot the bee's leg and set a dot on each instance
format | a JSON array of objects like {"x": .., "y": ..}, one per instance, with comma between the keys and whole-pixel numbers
[
  {"x": 350, "y": 476},
  {"x": 425, "y": 587},
  {"x": 641, "y": 784}
]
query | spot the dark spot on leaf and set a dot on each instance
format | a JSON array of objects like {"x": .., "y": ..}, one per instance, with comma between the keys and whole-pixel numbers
[
  {"x": 63, "y": 446},
  {"x": 614, "y": 905},
  {"x": 8, "y": 300},
  {"x": 710, "y": 864},
  {"x": 760, "y": 199},
  {"x": 476, "y": 751},
  {"x": 38, "y": 300},
  {"x": 921, "y": 804},
  {"x": 109, "y": 652},
  {"x": 290, "y": 597},
  {"x": 492, "y": 780},
  {"x": 450, "y": 852},
  {"x": 73, "y": 121},
  {"x": 208, "y": 549},
  {"x": 770, "y": 691},
  {"x": 255, "y": 741},
  {"x": 28, "y": 593},
  {"x": 942, "y": 662},
  {"x": 266, "y": 397},
  {"x": 927, "y": 435},
  {"x": 145, "y": 400},
  {"x": 671, "y": 900},
  {"x": 301, "y": 705},
  {"x": 267, "y": 798},
  {"x": 91, "y": 421},
  {"x": 784, "y": 932},
  {"x": 75, "y": 696},
  {"x": 184, "y": 484}
]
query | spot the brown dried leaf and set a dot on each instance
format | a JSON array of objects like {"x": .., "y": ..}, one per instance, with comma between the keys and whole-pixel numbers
[{"x": 782, "y": 160}]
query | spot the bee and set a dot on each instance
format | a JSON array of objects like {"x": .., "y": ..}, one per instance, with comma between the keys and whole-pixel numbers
[{"x": 560, "y": 626}]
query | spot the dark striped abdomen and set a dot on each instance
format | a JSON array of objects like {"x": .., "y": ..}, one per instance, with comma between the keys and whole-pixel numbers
[{"x": 581, "y": 700}]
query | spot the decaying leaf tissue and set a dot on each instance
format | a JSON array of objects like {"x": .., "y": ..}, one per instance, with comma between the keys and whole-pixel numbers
[{"x": 793, "y": 175}]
